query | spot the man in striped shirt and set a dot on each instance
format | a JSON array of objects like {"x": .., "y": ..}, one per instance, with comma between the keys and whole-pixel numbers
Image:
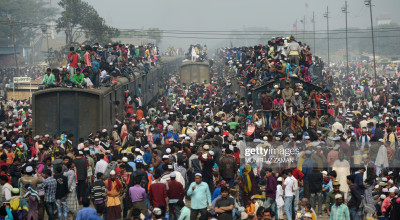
[
  {"x": 339, "y": 211},
  {"x": 98, "y": 191}
]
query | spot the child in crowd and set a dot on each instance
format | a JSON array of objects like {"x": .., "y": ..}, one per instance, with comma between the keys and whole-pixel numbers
[
  {"x": 325, "y": 188},
  {"x": 279, "y": 198}
]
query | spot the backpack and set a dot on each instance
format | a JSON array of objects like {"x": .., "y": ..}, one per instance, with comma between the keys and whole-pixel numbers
[
  {"x": 111, "y": 166},
  {"x": 196, "y": 167}
]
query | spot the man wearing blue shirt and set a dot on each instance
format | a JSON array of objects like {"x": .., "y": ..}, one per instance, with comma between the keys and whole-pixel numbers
[
  {"x": 200, "y": 197},
  {"x": 86, "y": 211}
]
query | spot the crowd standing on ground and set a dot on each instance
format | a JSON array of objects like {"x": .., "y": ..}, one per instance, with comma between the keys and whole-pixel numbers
[{"x": 205, "y": 151}]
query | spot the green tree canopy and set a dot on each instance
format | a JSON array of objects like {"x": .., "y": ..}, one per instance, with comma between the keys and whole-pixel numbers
[
  {"x": 27, "y": 17},
  {"x": 79, "y": 18}
]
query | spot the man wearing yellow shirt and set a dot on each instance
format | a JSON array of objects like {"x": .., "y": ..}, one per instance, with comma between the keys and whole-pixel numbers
[{"x": 113, "y": 186}]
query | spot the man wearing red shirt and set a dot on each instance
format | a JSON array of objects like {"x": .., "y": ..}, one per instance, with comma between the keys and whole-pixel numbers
[
  {"x": 87, "y": 58},
  {"x": 158, "y": 192},
  {"x": 73, "y": 59},
  {"x": 175, "y": 193},
  {"x": 299, "y": 176}
]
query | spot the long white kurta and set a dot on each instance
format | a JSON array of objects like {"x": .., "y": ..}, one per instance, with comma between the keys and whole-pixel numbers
[
  {"x": 342, "y": 169},
  {"x": 381, "y": 157}
]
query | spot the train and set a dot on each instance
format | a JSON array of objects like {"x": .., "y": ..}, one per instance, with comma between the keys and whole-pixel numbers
[
  {"x": 196, "y": 72},
  {"x": 80, "y": 112}
]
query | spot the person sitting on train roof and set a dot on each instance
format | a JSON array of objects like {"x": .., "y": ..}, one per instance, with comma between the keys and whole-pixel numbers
[
  {"x": 79, "y": 79},
  {"x": 49, "y": 79}
]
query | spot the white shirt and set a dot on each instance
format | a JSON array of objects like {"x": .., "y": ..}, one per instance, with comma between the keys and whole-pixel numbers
[
  {"x": 103, "y": 74},
  {"x": 101, "y": 167},
  {"x": 288, "y": 186}
]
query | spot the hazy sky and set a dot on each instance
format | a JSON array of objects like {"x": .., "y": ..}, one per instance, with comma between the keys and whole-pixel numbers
[{"x": 226, "y": 15}]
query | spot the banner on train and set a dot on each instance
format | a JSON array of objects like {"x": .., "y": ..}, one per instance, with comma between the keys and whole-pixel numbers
[{"x": 21, "y": 79}]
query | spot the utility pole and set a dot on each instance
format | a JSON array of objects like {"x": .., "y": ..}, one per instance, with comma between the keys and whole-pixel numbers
[
  {"x": 9, "y": 16},
  {"x": 344, "y": 10},
  {"x": 313, "y": 20},
  {"x": 326, "y": 15},
  {"x": 369, "y": 3}
]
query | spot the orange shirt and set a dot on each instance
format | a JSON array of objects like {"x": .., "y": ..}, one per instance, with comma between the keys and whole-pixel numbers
[
  {"x": 139, "y": 114},
  {"x": 10, "y": 158},
  {"x": 250, "y": 209},
  {"x": 112, "y": 195}
]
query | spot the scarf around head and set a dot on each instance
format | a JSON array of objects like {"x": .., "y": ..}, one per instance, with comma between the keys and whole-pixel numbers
[{"x": 118, "y": 186}]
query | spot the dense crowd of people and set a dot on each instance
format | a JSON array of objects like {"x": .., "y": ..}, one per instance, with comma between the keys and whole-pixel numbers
[
  {"x": 171, "y": 51},
  {"x": 95, "y": 66},
  {"x": 206, "y": 151}
]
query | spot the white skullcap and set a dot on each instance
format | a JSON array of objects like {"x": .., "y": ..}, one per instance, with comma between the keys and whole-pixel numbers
[
  {"x": 124, "y": 159},
  {"x": 198, "y": 174},
  {"x": 104, "y": 130},
  {"x": 206, "y": 147},
  {"x": 211, "y": 153},
  {"x": 157, "y": 211},
  {"x": 385, "y": 190},
  {"x": 383, "y": 196},
  {"x": 112, "y": 172},
  {"x": 392, "y": 190},
  {"x": 96, "y": 139},
  {"x": 168, "y": 150},
  {"x": 28, "y": 169},
  {"x": 338, "y": 196}
]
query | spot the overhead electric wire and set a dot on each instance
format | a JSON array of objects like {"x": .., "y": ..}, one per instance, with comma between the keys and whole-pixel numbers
[
  {"x": 221, "y": 32},
  {"x": 234, "y": 38},
  {"x": 214, "y": 35}
]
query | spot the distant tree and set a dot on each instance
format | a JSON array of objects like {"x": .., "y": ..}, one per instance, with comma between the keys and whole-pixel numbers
[
  {"x": 27, "y": 17},
  {"x": 80, "y": 18}
]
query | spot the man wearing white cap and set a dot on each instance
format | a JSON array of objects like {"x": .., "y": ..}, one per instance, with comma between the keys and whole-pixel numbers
[
  {"x": 113, "y": 187},
  {"x": 339, "y": 210},
  {"x": 386, "y": 202},
  {"x": 175, "y": 192},
  {"x": 200, "y": 197},
  {"x": 29, "y": 179},
  {"x": 97, "y": 146}
]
